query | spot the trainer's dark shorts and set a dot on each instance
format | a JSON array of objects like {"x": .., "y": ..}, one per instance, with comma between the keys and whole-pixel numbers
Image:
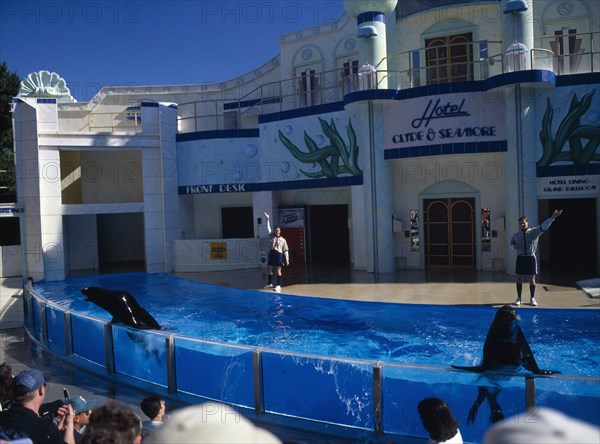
[
  {"x": 526, "y": 265},
  {"x": 275, "y": 258}
]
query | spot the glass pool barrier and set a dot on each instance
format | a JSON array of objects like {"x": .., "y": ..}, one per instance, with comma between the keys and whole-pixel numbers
[{"x": 374, "y": 397}]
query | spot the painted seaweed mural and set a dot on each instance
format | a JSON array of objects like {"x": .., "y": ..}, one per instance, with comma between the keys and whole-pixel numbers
[
  {"x": 328, "y": 157},
  {"x": 570, "y": 130}
]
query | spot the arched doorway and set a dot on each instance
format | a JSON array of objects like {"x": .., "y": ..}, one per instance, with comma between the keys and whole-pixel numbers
[
  {"x": 449, "y": 236},
  {"x": 450, "y": 226}
]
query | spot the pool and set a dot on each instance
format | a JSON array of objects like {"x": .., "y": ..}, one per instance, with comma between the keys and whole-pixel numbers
[{"x": 324, "y": 360}]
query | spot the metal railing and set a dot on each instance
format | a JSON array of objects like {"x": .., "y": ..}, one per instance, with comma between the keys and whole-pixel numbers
[
  {"x": 573, "y": 53},
  {"x": 331, "y": 86},
  {"x": 129, "y": 121},
  {"x": 480, "y": 60}
]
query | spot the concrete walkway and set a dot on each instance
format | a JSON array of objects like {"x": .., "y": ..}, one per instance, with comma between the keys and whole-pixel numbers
[{"x": 443, "y": 287}]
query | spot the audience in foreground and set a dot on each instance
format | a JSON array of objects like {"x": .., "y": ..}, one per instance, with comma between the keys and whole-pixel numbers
[
  {"x": 22, "y": 419},
  {"x": 542, "y": 426},
  {"x": 211, "y": 422},
  {"x": 154, "y": 407},
  {"x": 113, "y": 423},
  {"x": 439, "y": 422}
]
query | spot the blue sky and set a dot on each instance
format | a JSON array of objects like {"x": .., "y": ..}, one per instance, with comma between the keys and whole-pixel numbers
[{"x": 99, "y": 43}]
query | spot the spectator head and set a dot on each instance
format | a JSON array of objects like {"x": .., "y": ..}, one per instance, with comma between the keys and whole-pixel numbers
[
  {"x": 113, "y": 423},
  {"x": 152, "y": 406},
  {"x": 26, "y": 385},
  {"x": 542, "y": 426},
  {"x": 80, "y": 405},
  {"x": 6, "y": 382},
  {"x": 82, "y": 410},
  {"x": 437, "y": 419},
  {"x": 211, "y": 422}
]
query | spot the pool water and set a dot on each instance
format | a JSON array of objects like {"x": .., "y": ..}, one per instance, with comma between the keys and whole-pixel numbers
[{"x": 567, "y": 340}]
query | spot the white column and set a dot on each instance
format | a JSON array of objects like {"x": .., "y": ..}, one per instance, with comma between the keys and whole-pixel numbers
[
  {"x": 377, "y": 186},
  {"x": 159, "y": 166}
]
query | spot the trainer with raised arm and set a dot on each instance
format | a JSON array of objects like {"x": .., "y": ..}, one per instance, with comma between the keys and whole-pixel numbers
[
  {"x": 525, "y": 242},
  {"x": 278, "y": 255}
]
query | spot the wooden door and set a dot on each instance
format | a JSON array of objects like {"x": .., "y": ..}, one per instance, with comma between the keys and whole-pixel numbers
[{"x": 449, "y": 237}]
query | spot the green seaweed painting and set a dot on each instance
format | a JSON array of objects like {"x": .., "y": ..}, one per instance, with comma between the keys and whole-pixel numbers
[
  {"x": 334, "y": 152},
  {"x": 569, "y": 130}
]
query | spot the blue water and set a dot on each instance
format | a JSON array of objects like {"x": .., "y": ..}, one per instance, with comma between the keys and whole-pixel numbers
[{"x": 567, "y": 340}]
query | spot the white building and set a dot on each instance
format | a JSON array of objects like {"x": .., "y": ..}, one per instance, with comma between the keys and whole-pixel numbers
[{"x": 401, "y": 136}]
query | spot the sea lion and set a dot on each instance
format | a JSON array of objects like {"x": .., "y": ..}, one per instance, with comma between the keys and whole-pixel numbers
[
  {"x": 505, "y": 347},
  {"x": 122, "y": 306}
]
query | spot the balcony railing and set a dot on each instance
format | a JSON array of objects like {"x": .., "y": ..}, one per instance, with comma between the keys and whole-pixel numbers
[
  {"x": 129, "y": 121},
  {"x": 481, "y": 60}
]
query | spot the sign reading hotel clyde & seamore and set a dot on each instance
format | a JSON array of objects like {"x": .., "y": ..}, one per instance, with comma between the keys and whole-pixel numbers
[{"x": 444, "y": 119}]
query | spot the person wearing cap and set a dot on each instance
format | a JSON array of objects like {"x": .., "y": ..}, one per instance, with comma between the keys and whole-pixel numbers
[
  {"x": 82, "y": 410},
  {"x": 22, "y": 420}
]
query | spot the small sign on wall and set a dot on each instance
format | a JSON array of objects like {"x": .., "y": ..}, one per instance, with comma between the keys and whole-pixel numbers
[
  {"x": 568, "y": 186},
  {"x": 218, "y": 250}
]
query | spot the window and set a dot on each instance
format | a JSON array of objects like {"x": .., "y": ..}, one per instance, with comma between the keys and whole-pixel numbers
[
  {"x": 416, "y": 68},
  {"x": 568, "y": 47},
  {"x": 449, "y": 58},
  {"x": 237, "y": 222},
  {"x": 309, "y": 87},
  {"x": 349, "y": 76}
]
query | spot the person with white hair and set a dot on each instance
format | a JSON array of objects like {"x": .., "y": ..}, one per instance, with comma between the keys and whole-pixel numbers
[
  {"x": 542, "y": 426},
  {"x": 213, "y": 423}
]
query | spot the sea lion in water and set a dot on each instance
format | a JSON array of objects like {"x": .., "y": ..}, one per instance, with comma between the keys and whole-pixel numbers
[
  {"x": 122, "y": 306},
  {"x": 505, "y": 347}
]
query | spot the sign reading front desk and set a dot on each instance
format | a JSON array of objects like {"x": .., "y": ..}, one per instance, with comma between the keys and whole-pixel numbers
[{"x": 446, "y": 119}]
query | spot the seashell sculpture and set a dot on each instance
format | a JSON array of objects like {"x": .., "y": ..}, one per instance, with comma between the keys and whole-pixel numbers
[{"x": 46, "y": 84}]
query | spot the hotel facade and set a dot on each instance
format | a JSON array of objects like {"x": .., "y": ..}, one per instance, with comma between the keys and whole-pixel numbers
[{"x": 402, "y": 135}]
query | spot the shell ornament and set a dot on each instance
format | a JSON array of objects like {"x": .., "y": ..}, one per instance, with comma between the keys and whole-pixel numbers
[{"x": 45, "y": 84}]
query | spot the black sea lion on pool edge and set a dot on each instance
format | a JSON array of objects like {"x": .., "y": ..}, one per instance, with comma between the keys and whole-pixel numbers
[
  {"x": 505, "y": 347},
  {"x": 122, "y": 306}
]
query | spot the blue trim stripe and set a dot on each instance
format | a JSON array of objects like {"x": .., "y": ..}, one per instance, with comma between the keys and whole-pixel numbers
[
  {"x": 46, "y": 100},
  {"x": 590, "y": 169},
  {"x": 218, "y": 134},
  {"x": 371, "y": 16},
  {"x": 498, "y": 146},
  {"x": 423, "y": 91},
  {"x": 511, "y": 78},
  {"x": 577, "y": 79},
  {"x": 272, "y": 186}
]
